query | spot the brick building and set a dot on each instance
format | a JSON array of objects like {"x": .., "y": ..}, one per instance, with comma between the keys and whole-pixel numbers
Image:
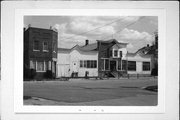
[{"x": 40, "y": 52}]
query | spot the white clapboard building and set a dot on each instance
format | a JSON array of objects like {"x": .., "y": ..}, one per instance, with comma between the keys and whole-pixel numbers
[{"x": 79, "y": 59}]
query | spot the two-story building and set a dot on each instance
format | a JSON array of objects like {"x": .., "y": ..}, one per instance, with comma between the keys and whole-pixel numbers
[{"x": 40, "y": 51}]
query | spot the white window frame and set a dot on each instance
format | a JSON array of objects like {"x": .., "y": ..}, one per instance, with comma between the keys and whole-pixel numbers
[
  {"x": 91, "y": 63},
  {"x": 82, "y": 64},
  {"x": 114, "y": 53},
  {"x": 105, "y": 65},
  {"x": 44, "y": 64}
]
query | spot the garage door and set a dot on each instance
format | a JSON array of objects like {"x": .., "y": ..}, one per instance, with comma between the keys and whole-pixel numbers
[{"x": 63, "y": 70}]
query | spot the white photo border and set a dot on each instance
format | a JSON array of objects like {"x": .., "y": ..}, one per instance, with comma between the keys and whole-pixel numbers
[{"x": 18, "y": 72}]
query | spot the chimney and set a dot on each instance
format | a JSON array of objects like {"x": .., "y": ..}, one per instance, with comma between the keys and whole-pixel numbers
[
  {"x": 87, "y": 42},
  {"x": 50, "y": 28},
  {"x": 29, "y": 25}
]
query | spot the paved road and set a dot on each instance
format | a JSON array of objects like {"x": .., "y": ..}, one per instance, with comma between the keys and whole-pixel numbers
[{"x": 85, "y": 92}]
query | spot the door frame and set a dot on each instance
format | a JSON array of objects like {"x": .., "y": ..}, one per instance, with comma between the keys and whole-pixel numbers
[{"x": 115, "y": 64}]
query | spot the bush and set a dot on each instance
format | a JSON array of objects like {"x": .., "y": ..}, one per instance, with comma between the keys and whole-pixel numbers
[
  {"x": 29, "y": 74},
  {"x": 48, "y": 74},
  {"x": 154, "y": 72},
  {"x": 32, "y": 73}
]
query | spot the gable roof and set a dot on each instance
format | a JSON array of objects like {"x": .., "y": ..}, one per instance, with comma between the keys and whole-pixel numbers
[
  {"x": 112, "y": 40},
  {"x": 64, "y": 50},
  {"x": 92, "y": 46},
  {"x": 89, "y": 47},
  {"x": 146, "y": 50}
]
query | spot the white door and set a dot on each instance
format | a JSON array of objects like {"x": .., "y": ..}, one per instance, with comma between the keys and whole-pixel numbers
[{"x": 63, "y": 71}]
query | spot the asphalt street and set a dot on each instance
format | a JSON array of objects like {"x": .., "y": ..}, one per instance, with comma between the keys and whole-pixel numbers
[{"x": 77, "y": 91}]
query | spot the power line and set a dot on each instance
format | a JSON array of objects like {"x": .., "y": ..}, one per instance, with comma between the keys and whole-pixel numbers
[
  {"x": 119, "y": 19},
  {"x": 124, "y": 27}
]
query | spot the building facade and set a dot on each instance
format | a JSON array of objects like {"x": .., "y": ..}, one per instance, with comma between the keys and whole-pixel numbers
[
  {"x": 102, "y": 59},
  {"x": 79, "y": 60},
  {"x": 40, "y": 52}
]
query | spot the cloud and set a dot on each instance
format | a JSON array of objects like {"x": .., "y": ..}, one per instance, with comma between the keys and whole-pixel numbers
[
  {"x": 131, "y": 18},
  {"x": 130, "y": 34},
  {"x": 130, "y": 46},
  {"x": 80, "y": 25},
  {"x": 72, "y": 32},
  {"x": 60, "y": 27}
]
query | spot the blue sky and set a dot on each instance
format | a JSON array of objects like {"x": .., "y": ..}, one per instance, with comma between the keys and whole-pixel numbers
[{"x": 138, "y": 31}]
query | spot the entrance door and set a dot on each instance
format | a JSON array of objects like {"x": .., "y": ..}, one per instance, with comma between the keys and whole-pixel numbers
[
  {"x": 113, "y": 65},
  {"x": 75, "y": 67}
]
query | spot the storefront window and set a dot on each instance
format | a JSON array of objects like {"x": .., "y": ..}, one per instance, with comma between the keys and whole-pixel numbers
[{"x": 131, "y": 65}]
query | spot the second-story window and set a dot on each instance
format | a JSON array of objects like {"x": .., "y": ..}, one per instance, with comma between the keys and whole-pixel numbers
[
  {"x": 110, "y": 53},
  {"x": 54, "y": 47},
  {"x": 120, "y": 54},
  {"x": 36, "y": 45},
  {"x": 115, "y": 53},
  {"x": 45, "y": 46}
]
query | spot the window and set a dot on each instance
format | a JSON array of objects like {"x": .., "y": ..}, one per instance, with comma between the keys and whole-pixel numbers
[
  {"x": 46, "y": 66},
  {"x": 120, "y": 54},
  {"x": 85, "y": 63},
  {"x": 81, "y": 63},
  {"x": 94, "y": 64},
  {"x": 146, "y": 66},
  {"x": 40, "y": 66},
  {"x": 32, "y": 64},
  {"x": 124, "y": 64},
  {"x": 88, "y": 64},
  {"x": 119, "y": 65},
  {"x": 105, "y": 64},
  {"x": 36, "y": 45},
  {"x": 110, "y": 53},
  {"x": 115, "y": 53},
  {"x": 45, "y": 46},
  {"x": 132, "y": 65},
  {"x": 54, "y": 47}
]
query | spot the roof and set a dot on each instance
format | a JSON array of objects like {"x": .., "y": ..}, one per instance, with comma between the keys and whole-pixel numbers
[
  {"x": 36, "y": 28},
  {"x": 112, "y": 40},
  {"x": 91, "y": 47},
  {"x": 64, "y": 50},
  {"x": 146, "y": 50},
  {"x": 131, "y": 54}
]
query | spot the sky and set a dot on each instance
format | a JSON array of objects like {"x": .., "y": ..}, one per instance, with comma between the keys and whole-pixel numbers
[{"x": 137, "y": 31}]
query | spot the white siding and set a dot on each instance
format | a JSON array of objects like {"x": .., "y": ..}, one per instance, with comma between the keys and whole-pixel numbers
[
  {"x": 63, "y": 64},
  {"x": 122, "y": 48},
  {"x": 139, "y": 64},
  {"x": 63, "y": 58},
  {"x": 76, "y": 56}
]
